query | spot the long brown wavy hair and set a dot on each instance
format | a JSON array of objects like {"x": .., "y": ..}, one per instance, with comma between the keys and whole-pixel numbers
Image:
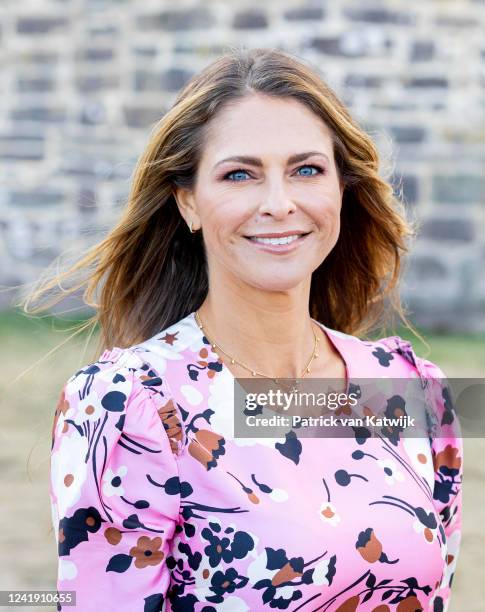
[{"x": 150, "y": 271}]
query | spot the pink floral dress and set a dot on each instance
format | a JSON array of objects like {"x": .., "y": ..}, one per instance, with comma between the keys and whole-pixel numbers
[{"x": 157, "y": 506}]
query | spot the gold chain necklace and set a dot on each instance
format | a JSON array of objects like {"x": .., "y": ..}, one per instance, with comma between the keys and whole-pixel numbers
[{"x": 306, "y": 370}]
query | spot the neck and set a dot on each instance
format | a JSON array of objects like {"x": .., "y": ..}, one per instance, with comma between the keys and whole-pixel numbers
[{"x": 270, "y": 332}]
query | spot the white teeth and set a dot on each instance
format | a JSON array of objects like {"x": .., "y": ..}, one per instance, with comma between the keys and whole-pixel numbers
[{"x": 283, "y": 240}]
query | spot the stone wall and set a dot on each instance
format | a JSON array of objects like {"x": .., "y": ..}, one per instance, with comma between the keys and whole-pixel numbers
[{"x": 84, "y": 81}]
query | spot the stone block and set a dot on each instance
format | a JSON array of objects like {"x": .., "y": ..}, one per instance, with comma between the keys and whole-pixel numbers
[
  {"x": 40, "y": 25},
  {"x": 44, "y": 58},
  {"x": 38, "y": 198},
  {"x": 172, "y": 79},
  {"x": 422, "y": 51},
  {"x": 93, "y": 113},
  {"x": 459, "y": 189},
  {"x": 95, "y": 54},
  {"x": 22, "y": 147},
  {"x": 332, "y": 45},
  {"x": 86, "y": 200},
  {"x": 44, "y": 114},
  {"x": 457, "y": 229},
  {"x": 193, "y": 18},
  {"x": 304, "y": 13},
  {"x": 250, "y": 19},
  {"x": 406, "y": 188},
  {"x": 364, "y": 81},
  {"x": 142, "y": 116},
  {"x": 408, "y": 134},
  {"x": 37, "y": 85},
  {"x": 380, "y": 15},
  {"x": 424, "y": 268},
  {"x": 430, "y": 82},
  {"x": 95, "y": 83}
]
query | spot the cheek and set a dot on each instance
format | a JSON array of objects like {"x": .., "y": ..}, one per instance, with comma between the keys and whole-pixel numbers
[
  {"x": 325, "y": 203},
  {"x": 221, "y": 223},
  {"x": 327, "y": 216},
  {"x": 223, "y": 218}
]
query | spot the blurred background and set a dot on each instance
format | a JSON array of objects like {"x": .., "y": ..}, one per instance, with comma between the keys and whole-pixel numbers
[{"x": 83, "y": 83}]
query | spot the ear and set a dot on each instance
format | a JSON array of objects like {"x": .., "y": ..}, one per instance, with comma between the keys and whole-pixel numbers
[{"x": 186, "y": 204}]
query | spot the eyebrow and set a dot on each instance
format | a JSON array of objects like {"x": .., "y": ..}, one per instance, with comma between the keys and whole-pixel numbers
[{"x": 255, "y": 161}]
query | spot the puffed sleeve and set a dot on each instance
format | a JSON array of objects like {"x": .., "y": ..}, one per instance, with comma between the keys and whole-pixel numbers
[
  {"x": 447, "y": 455},
  {"x": 114, "y": 485}
]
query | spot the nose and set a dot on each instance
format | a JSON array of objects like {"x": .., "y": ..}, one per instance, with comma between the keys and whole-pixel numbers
[{"x": 276, "y": 201}]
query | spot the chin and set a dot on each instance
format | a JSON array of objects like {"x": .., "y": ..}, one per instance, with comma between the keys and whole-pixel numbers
[{"x": 270, "y": 283}]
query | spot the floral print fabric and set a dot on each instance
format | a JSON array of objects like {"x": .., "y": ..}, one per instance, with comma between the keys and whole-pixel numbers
[{"x": 157, "y": 506}]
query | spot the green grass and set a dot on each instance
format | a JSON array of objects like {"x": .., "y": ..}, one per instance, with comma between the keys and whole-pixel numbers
[
  {"x": 14, "y": 321},
  {"x": 456, "y": 350},
  {"x": 458, "y": 354}
]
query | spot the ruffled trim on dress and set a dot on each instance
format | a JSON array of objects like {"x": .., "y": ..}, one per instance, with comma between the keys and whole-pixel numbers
[
  {"x": 159, "y": 393},
  {"x": 427, "y": 371},
  {"x": 172, "y": 425}
]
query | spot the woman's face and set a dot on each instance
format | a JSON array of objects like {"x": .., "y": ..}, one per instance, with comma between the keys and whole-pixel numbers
[{"x": 287, "y": 184}]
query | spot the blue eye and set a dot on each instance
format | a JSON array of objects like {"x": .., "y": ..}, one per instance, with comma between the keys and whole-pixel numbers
[
  {"x": 238, "y": 171},
  {"x": 319, "y": 170},
  {"x": 241, "y": 171}
]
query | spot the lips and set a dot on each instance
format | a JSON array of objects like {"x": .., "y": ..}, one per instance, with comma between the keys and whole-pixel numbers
[
  {"x": 295, "y": 232},
  {"x": 273, "y": 240},
  {"x": 280, "y": 244}
]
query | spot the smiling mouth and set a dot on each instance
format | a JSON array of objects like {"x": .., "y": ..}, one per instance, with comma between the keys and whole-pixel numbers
[{"x": 282, "y": 240}]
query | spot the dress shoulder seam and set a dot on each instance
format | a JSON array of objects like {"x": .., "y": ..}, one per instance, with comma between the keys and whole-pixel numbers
[
  {"x": 158, "y": 389},
  {"x": 166, "y": 413}
]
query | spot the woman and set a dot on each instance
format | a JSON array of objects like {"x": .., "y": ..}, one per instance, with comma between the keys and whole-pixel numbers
[{"x": 257, "y": 242}]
